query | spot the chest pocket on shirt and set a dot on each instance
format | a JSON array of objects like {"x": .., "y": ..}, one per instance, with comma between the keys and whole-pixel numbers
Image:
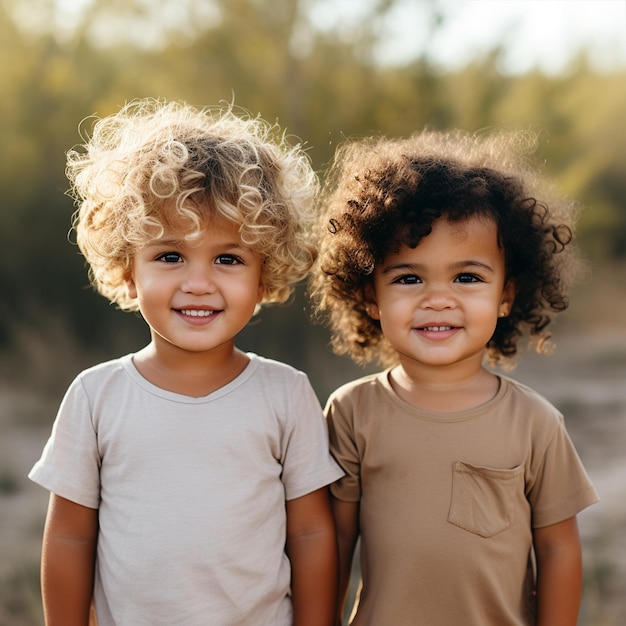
[{"x": 483, "y": 498}]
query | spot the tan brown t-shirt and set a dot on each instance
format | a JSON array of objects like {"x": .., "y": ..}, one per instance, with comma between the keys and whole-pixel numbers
[{"x": 448, "y": 501}]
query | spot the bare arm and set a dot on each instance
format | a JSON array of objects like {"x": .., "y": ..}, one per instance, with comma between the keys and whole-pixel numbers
[
  {"x": 312, "y": 550},
  {"x": 346, "y": 516},
  {"x": 67, "y": 562},
  {"x": 559, "y": 573}
]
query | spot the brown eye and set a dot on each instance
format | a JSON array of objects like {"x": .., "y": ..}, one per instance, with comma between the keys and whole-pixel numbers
[
  {"x": 228, "y": 259},
  {"x": 468, "y": 278},
  {"x": 170, "y": 257},
  {"x": 407, "y": 279}
]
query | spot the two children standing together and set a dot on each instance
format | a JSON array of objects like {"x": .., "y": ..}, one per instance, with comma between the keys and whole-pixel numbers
[{"x": 189, "y": 480}]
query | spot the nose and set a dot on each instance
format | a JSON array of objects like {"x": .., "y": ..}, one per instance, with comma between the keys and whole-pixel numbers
[
  {"x": 199, "y": 279},
  {"x": 437, "y": 298}
]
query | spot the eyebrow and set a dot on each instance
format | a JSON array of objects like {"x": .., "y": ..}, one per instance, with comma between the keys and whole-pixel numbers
[
  {"x": 175, "y": 243},
  {"x": 418, "y": 267},
  {"x": 165, "y": 242}
]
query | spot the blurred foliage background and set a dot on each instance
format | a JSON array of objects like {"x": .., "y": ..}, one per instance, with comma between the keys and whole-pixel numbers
[
  {"x": 322, "y": 84},
  {"x": 319, "y": 72}
]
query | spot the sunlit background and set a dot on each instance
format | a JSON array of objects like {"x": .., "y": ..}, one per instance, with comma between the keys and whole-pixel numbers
[{"x": 326, "y": 70}]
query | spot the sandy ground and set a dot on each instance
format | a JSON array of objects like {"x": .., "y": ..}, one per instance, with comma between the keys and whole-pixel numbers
[
  {"x": 22, "y": 511},
  {"x": 586, "y": 378}
]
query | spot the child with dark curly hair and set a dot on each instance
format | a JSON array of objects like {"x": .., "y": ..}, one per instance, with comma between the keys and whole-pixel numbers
[
  {"x": 437, "y": 253},
  {"x": 189, "y": 480}
]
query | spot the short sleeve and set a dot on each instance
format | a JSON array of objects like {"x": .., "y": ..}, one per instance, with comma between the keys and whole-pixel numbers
[
  {"x": 344, "y": 449},
  {"x": 70, "y": 463},
  {"x": 307, "y": 463},
  {"x": 561, "y": 486}
]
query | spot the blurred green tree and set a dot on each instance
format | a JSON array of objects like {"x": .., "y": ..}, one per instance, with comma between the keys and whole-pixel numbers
[{"x": 322, "y": 81}]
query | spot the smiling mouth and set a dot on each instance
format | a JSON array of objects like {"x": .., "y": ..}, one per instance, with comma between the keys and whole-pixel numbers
[
  {"x": 436, "y": 329},
  {"x": 197, "y": 312}
]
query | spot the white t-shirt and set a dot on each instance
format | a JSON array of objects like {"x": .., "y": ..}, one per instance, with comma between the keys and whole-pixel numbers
[{"x": 191, "y": 491}]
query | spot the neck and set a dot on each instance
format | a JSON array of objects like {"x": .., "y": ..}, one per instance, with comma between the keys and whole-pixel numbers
[
  {"x": 190, "y": 374},
  {"x": 440, "y": 393}
]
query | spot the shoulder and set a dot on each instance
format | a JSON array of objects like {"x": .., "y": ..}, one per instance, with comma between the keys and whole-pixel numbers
[
  {"x": 105, "y": 368},
  {"x": 271, "y": 366},
  {"x": 364, "y": 389},
  {"x": 522, "y": 394},
  {"x": 276, "y": 372},
  {"x": 280, "y": 386},
  {"x": 529, "y": 410},
  {"x": 97, "y": 374}
]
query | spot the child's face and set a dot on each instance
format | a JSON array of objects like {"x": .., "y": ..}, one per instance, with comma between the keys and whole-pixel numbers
[
  {"x": 438, "y": 304},
  {"x": 197, "y": 295}
]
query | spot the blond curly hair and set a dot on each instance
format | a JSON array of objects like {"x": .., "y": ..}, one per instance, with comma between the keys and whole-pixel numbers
[
  {"x": 157, "y": 165},
  {"x": 383, "y": 193}
]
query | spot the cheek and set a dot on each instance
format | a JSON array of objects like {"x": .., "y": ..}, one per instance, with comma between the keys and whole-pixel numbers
[
  {"x": 392, "y": 312},
  {"x": 486, "y": 313},
  {"x": 147, "y": 287},
  {"x": 244, "y": 295}
]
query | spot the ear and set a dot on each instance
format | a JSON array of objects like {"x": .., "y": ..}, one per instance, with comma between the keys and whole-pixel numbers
[
  {"x": 260, "y": 293},
  {"x": 508, "y": 298},
  {"x": 130, "y": 285},
  {"x": 371, "y": 308}
]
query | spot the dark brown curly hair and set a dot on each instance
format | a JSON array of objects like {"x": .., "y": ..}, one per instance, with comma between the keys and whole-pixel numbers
[{"x": 382, "y": 193}]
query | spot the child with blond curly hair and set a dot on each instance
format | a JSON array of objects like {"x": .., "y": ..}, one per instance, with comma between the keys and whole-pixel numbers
[
  {"x": 437, "y": 253},
  {"x": 188, "y": 480}
]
